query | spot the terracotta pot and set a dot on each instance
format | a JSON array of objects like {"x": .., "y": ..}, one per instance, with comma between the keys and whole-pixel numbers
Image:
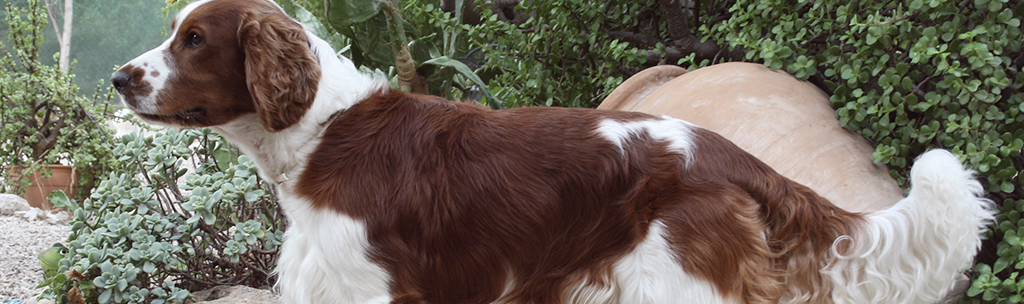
[
  {"x": 787, "y": 123},
  {"x": 63, "y": 178}
]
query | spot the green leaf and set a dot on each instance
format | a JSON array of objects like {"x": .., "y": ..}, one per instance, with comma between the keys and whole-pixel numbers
[
  {"x": 1000, "y": 265},
  {"x": 223, "y": 158},
  {"x": 995, "y": 6},
  {"x": 105, "y": 296},
  {"x": 252, "y": 196},
  {"x": 974, "y": 290},
  {"x": 61, "y": 200},
  {"x": 209, "y": 218},
  {"x": 989, "y": 295},
  {"x": 444, "y": 61},
  {"x": 1006, "y": 187},
  {"x": 916, "y": 4},
  {"x": 929, "y": 32},
  {"x": 343, "y": 13}
]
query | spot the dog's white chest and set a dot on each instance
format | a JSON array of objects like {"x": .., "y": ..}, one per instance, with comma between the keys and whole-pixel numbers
[{"x": 324, "y": 258}]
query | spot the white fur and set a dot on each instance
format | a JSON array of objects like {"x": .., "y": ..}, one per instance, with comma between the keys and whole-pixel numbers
[
  {"x": 677, "y": 133},
  {"x": 186, "y": 10},
  {"x": 324, "y": 259},
  {"x": 911, "y": 252},
  {"x": 651, "y": 274},
  {"x": 591, "y": 291}
]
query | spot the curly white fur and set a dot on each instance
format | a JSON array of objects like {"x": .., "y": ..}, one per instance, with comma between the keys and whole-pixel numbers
[{"x": 911, "y": 252}]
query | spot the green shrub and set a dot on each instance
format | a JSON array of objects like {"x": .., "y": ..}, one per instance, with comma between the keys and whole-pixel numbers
[
  {"x": 153, "y": 231},
  {"x": 43, "y": 119},
  {"x": 558, "y": 58},
  {"x": 912, "y": 76},
  {"x": 562, "y": 55}
]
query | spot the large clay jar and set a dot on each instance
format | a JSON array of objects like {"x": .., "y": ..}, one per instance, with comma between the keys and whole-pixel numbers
[{"x": 787, "y": 123}]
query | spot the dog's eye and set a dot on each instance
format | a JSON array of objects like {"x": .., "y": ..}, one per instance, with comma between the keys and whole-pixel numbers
[{"x": 193, "y": 40}]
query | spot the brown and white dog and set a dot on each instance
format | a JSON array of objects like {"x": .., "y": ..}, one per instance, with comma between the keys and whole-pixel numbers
[{"x": 401, "y": 198}]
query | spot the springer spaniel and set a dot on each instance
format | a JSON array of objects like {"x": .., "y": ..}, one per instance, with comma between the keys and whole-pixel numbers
[{"x": 402, "y": 198}]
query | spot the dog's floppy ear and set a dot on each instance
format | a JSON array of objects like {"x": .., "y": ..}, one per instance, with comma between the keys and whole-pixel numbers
[{"x": 280, "y": 69}]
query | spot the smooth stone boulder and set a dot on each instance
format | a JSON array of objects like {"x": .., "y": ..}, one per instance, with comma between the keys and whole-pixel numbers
[{"x": 10, "y": 203}]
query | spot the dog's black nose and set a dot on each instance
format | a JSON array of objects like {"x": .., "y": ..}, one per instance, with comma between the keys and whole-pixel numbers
[{"x": 120, "y": 80}]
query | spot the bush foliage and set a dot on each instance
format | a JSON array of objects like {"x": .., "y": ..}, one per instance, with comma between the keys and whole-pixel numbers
[
  {"x": 912, "y": 76},
  {"x": 43, "y": 118},
  {"x": 183, "y": 212}
]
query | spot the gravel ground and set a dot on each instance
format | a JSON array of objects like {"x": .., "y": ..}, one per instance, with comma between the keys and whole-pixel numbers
[{"x": 20, "y": 241}]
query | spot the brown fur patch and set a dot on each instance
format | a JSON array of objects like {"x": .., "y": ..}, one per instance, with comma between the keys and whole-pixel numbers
[
  {"x": 252, "y": 58},
  {"x": 282, "y": 72}
]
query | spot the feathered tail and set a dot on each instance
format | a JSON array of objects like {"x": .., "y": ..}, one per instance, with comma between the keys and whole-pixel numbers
[{"x": 912, "y": 251}]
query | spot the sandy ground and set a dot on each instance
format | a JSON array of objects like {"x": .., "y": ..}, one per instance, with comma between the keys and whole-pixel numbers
[{"x": 20, "y": 241}]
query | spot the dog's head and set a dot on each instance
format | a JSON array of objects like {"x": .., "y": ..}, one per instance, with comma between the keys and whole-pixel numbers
[{"x": 224, "y": 59}]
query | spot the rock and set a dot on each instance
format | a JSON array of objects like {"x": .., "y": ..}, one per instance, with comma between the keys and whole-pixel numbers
[
  {"x": 10, "y": 203},
  {"x": 33, "y": 214},
  {"x": 235, "y": 295},
  {"x": 34, "y": 301},
  {"x": 60, "y": 217}
]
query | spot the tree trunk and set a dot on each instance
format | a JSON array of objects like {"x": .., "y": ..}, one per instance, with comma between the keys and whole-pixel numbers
[
  {"x": 685, "y": 41},
  {"x": 63, "y": 33},
  {"x": 65, "y": 40},
  {"x": 408, "y": 80},
  {"x": 676, "y": 19}
]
